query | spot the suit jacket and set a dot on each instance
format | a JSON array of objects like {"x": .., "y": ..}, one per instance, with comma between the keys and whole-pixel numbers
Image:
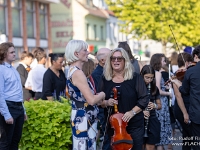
[{"x": 27, "y": 94}]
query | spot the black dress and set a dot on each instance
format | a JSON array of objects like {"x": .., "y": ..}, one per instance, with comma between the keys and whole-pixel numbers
[
  {"x": 53, "y": 85},
  {"x": 131, "y": 93},
  {"x": 153, "y": 131}
]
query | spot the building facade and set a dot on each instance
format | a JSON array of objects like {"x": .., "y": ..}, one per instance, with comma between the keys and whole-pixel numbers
[
  {"x": 26, "y": 23},
  {"x": 78, "y": 19}
]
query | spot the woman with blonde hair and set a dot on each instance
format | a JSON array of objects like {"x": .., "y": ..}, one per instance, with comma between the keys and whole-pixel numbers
[
  {"x": 84, "y": 101},
  {"x": 131, "y": 99}
]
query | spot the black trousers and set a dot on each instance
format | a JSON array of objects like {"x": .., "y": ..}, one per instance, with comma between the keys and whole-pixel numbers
[
  {"x": 186, "y": 132},
  {"x": 196, "y": 136},
  {"x": 38, "y": 95},
  {"x": 11, "y": 133}
]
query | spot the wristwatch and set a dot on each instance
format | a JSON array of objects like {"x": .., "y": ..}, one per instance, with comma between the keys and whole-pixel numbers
[{"x": 134, "y": 113}]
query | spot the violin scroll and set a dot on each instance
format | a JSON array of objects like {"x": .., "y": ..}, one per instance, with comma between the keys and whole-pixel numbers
[{"x": 115, "y": 97}]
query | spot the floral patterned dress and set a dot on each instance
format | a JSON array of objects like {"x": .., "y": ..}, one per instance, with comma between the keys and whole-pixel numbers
[
  {"x": 83, "y": 116},
  {"x": 164, "y": 118}
]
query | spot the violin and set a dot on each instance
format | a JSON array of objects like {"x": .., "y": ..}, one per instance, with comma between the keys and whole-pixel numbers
[
  {"x": 121, "y": 140},
  {"x": 180, "y": 74}
]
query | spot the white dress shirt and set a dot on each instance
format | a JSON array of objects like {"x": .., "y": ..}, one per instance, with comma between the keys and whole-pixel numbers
[
  {"x": 35, "y": 78},
  {"x": 34, "y": 63}
]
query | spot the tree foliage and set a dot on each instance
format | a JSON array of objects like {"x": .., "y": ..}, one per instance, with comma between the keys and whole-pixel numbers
[{"x": 150, "y": 19}]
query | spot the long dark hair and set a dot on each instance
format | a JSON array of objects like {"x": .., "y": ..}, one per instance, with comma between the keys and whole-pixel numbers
[
  {"x": 155, "y": 61},
  {"x": 147, "y": 69},
  {"x": 4, "y": 49},
  {"x": 127, "y": 48}
]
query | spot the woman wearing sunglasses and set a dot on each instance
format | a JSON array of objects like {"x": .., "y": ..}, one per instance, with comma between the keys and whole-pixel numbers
[{"x": 132, "y": 96}]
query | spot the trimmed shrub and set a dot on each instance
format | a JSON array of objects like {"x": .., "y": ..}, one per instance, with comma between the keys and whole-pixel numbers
[{"x": 48, "y": 126}]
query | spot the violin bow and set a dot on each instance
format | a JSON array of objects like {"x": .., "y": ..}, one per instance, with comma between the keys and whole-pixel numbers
[{"x": 176, "y": 43}]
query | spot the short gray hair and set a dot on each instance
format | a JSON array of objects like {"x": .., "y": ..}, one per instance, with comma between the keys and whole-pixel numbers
[{"x": 74, "y": 46}]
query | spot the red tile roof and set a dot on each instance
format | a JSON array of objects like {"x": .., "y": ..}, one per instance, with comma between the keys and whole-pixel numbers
[
  {"x": 95, "y": 11},
  {"x": 111, "y": 13}
]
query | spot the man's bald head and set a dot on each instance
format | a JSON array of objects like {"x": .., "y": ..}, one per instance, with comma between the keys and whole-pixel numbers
[{"x": 102, "y": 53}]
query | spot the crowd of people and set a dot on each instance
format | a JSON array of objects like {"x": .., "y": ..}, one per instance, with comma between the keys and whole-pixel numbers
[{"x": 116, "y": 85}]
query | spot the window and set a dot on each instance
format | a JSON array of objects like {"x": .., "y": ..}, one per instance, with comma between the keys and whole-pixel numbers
[
  {"x": 88, "y": 26},
  {"x": 18, "y": 52},
  {"x": 16, "y": 17},
  {"x": 2, "y": 17},
  {"x": 43, "y": 17},
  {"x": 30, "y": 18},
  {"x": 102, "y": 38},
  {"x": 95, "y": 32},
  {"x": 89, "y": 2}
]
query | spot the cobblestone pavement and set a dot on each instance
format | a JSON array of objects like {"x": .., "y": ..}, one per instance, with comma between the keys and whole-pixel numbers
[{"x": 176, "y": 140}]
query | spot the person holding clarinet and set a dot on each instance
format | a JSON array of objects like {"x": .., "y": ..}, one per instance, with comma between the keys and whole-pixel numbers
[{"x": 152, "y": 124}]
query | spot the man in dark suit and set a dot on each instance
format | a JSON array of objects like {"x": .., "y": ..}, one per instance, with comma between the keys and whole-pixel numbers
[
  {"x": 23, "y": 68},
  {"x": 191, "y": 86}
]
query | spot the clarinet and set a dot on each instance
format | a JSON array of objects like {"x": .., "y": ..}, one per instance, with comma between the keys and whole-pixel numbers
[{"x": 147, "y": 120}]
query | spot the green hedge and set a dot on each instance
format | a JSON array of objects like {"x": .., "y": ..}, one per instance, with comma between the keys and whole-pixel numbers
[{"x": 48, "y": 126}]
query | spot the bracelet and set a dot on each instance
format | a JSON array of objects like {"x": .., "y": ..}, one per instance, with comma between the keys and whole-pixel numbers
[{"x": 155, "y": 106}]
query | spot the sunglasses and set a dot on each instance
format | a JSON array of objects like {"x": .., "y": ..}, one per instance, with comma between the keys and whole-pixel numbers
[{"x": 119, "y": 59}]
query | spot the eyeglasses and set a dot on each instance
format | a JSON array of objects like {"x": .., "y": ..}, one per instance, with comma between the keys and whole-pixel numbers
[
  {"x": 147, "y": 78},
  {"x": 119, "y": 59}
]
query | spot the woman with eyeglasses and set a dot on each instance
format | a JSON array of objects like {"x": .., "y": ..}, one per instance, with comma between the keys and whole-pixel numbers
[
  {"x": 82, "y": 94},
  {"x": 152, "y": 128},
  {"x": 134, "y": 61},
  {"x": 157, "y": 62},
  {"x": 132, "y": 96}
]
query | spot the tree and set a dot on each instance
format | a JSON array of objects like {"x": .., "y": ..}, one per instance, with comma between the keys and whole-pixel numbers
[{"x": 150, "y": 19}]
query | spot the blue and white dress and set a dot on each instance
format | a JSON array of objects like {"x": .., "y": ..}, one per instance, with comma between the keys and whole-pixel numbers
[
  {"x": 83, "y": 116},
  {"x": 164, "y": 118}
]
